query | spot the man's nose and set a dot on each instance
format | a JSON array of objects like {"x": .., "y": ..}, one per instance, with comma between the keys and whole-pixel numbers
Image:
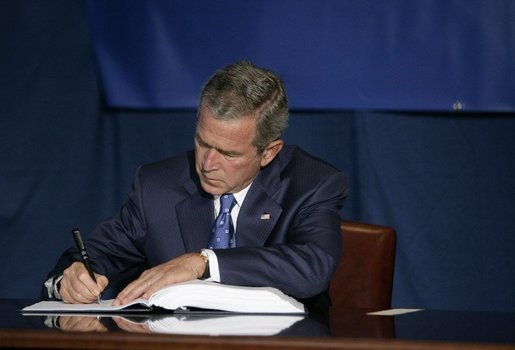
[{"x": 211, "y": 159}]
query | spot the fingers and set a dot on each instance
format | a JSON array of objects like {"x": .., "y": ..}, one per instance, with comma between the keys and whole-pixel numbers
[
  {"x": 77, "y": 286},
  {"x": 183, "y": 268},
  {"x": 129, "y": 326},
  {"x": 143, "y": 287},
  {"x": 102, "y": 282},
  {"x": 81, "y": 324}
]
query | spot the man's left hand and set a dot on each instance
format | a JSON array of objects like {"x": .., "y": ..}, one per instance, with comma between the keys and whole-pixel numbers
[{"x": 186, "y": 267}]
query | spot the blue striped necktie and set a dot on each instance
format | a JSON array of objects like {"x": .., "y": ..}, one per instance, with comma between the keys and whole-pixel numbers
[{"x": 222, "y": 234}]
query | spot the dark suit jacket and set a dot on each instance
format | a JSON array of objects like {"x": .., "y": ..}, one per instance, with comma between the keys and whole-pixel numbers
[{"x": 167, "y": 214}]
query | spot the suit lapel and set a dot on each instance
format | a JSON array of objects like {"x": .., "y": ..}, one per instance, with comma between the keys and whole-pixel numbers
[
  {"x": 257, "y": 218},
  {"x": 259, "y": 212},
  {"x": 195, "y": 217}
]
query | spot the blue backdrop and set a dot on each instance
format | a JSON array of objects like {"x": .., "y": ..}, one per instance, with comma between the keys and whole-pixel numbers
[
  {"x": 444, "y": 180},
  {"x": 333, "y": 54}
]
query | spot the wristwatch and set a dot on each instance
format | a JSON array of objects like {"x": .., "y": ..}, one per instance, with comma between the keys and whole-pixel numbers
[{"x": 207, "y": 272}]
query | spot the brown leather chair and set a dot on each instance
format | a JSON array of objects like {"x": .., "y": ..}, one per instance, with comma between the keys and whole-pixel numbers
[{"x": 364, "y": 278}]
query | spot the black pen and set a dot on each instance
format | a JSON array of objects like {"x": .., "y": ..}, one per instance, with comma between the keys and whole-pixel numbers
[{"x": 84, "y": 256}]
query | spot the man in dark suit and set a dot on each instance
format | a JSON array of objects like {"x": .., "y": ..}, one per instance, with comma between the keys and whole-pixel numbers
[{"x": 284, "y": 230}]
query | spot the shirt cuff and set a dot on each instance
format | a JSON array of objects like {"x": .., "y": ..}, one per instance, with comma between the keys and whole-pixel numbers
[
  {"x": 52, "y": 287},
  {"x": 214, "y": 270}
]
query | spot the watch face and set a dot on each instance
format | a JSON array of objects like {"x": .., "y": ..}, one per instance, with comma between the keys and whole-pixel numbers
[{"x": 207, "y": 272}]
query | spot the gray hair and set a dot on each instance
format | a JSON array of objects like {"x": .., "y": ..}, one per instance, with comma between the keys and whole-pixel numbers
[{"x": 244, "y": 90}]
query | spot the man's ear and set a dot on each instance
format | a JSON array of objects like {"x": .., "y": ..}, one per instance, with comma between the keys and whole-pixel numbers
[{"x": 271, "y": 151}]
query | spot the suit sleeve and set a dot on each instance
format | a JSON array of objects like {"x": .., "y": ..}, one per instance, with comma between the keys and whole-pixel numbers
[{"x": 115, "y": 246}]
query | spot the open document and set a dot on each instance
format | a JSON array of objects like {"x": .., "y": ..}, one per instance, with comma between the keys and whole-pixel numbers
[{"x": 188, "y": 296}]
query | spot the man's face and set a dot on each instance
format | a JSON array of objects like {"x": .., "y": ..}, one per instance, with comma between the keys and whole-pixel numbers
[{"x": 226, "y": 160}]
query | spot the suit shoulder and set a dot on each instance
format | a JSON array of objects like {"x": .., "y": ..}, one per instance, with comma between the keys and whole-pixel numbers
[
  {"x": 176, "y": 167},
  {"x": 172, "y": 163},
  {"x": 306, "y": 171},
  {"x": 296, "y": 159}
]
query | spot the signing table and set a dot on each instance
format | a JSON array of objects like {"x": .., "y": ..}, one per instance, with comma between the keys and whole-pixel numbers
[{"x": 346, "y": 329}]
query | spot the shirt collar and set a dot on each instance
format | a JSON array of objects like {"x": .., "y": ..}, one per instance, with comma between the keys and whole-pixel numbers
[{"x": 239, "y": 196}]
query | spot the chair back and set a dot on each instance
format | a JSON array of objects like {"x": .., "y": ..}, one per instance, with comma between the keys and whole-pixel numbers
[{"x": 364, "y": 278}]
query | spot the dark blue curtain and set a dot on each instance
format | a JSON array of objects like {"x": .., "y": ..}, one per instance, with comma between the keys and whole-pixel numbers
[
  {"x": 445, "y": 181},
  {"x": 333, "y": 54}
]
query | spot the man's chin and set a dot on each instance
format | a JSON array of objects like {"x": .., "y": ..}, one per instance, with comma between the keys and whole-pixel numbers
[{"x": 212, "y": 188}]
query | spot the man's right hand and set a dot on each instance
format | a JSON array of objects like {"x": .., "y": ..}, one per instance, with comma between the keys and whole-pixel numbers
[
  {"x": 77, "y": 286},
  {"x": 81, "y": 324}
]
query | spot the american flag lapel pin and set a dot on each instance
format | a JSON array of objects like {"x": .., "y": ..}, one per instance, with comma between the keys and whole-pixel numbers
[{"x": 265, "y": 216}]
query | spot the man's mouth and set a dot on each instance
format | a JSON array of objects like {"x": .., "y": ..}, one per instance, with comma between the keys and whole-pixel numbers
[{"x": 208, "y": 179}]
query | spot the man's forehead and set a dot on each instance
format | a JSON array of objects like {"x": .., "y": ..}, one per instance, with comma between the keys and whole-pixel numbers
[{"x": 233, "y": 135}]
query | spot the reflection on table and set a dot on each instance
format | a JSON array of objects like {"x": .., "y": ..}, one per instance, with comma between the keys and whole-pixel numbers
[
  {"x": 344, "y": 329},
  {"x": 214, "y": 324}
]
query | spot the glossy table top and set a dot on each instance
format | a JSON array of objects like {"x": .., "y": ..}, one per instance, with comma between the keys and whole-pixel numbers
[{"x": 424, "y": 329}]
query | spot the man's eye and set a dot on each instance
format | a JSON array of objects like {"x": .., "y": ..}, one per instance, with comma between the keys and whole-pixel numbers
[
  {"x": 230, "y": 155},
  {"x": 201, "y": 144}
]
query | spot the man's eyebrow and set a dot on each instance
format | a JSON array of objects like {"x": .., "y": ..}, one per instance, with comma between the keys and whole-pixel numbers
[{"x": 219, "y": 150}]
